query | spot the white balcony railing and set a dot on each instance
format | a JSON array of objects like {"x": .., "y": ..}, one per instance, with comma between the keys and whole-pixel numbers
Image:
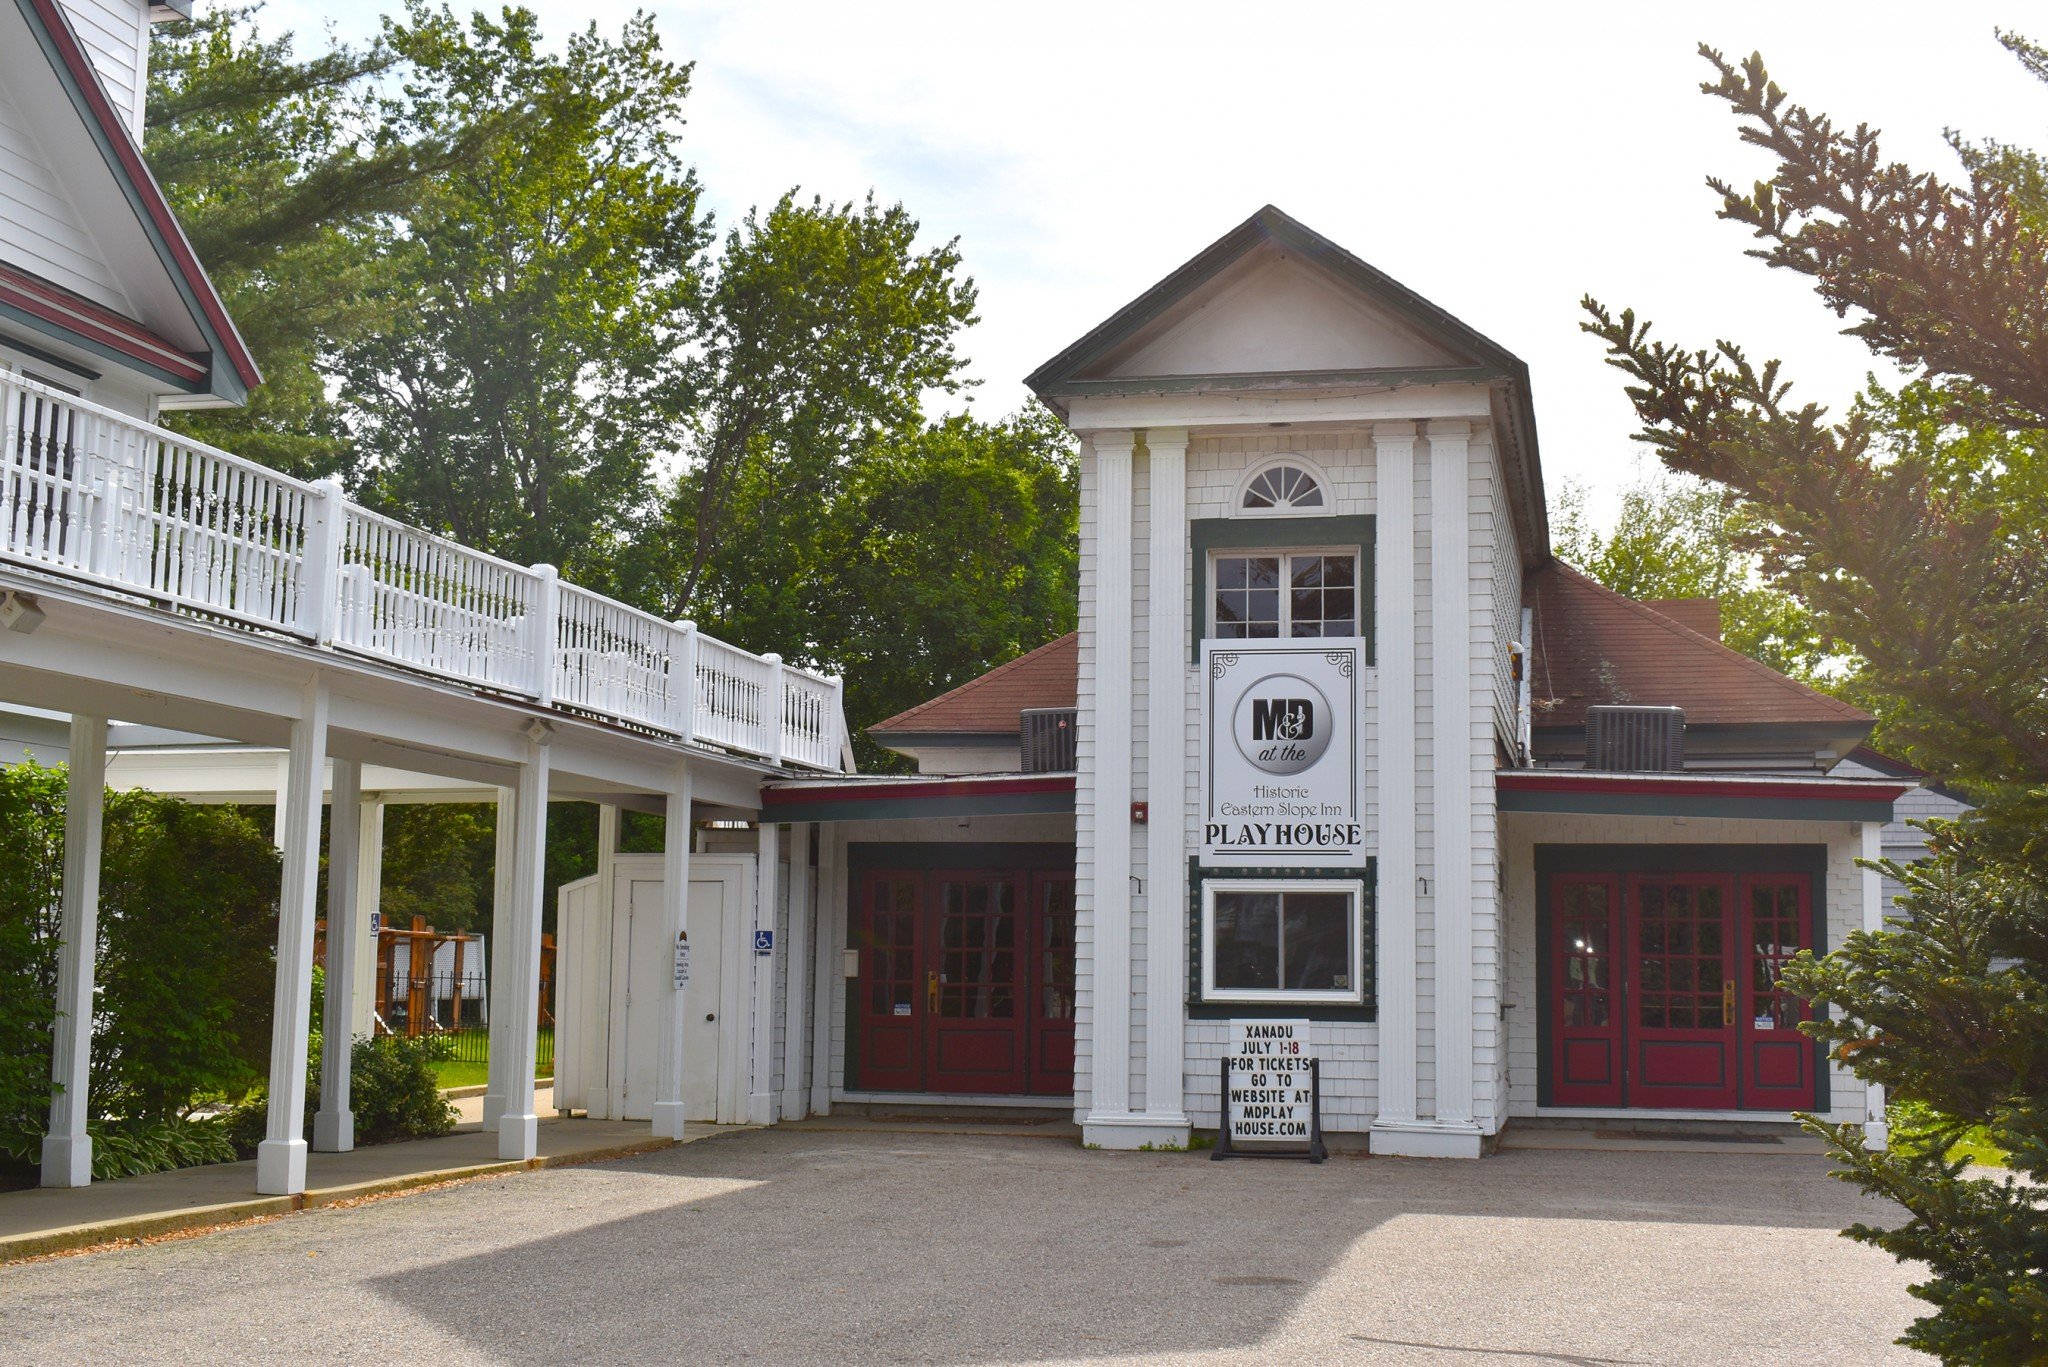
[{"x": 91, "y": 494}]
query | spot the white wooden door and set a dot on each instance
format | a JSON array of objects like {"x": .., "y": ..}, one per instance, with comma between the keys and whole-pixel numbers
[{"x": 714, "y": 1064}]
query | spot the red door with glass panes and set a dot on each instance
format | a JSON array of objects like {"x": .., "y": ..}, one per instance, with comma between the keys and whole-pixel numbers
[
  {"x": 1664, "y": 991},
  {"x": 965, "y": 982}
]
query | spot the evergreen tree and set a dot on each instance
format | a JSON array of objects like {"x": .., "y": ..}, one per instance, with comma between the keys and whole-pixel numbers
[{"x": 1913, "y": 529}]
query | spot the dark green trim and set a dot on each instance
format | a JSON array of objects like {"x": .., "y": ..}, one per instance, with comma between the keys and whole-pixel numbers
[
  {"x": 1808, "y": 859},
  {"x": 1199, "y": 1009},
  {"x": 46, "y": 357},
  {"x": 58, "y": 331},
  {"x": 944, "y": 804},
  {"x": 946, "y": 739},
  {"x": 1666, "y": 804},
  {"x": 1206, "y": 534},
  {"x": 1036, "y": 855}
]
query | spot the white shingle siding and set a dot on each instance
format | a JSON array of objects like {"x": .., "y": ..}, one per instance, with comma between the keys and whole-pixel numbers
[
  {"x": 1524, "y": 831},
  {"x": 115, "y": 36},
  {"x": 41, "y": 232}
]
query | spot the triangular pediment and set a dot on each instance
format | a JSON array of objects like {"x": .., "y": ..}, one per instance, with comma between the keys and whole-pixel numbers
[
  {"x": 1272, "y": 300},
  {"x": 1272, "y": 312}
]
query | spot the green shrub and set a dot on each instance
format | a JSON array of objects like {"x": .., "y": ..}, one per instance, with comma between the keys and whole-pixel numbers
[
  {"x": 131, "y": 1148},
  {"x": 394, "y": 1091}
]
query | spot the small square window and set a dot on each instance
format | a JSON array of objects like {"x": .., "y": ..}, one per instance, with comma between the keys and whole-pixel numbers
[
  {"x": 1283, "y": 941},
  {"x": 1267, "y": 595}
]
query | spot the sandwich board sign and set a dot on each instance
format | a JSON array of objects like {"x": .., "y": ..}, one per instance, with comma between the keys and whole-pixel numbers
[
  {"x": 1272, "y": 1092},
  {"x": 1281, "y": 754}
]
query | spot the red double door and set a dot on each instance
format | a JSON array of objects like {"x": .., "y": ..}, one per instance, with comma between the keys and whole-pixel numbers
[
  {"x": 1663, "y": 991},
  {"x": 965, "y": 982}
]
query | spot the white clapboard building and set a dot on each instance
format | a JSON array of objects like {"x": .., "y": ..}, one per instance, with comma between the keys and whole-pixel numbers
[{"x": 1337, "y": 742}]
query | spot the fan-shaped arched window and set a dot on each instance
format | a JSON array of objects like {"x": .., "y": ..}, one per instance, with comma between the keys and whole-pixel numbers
[{"x": 1283, "y": 487}]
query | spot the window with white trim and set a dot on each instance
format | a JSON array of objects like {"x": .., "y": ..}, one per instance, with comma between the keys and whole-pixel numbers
[
  {"x": 1283, "y": 940},
  {"x": 1283, "y": 487},
  {"x": 1260, "y": 595}
]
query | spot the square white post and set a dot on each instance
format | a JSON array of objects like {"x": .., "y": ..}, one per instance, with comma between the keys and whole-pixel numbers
[
  {"x": 67, "y": 1148},
  {"x": 761, "y": 1050},
  {"x": 1394, "y": 626},
  {"x": 1166, "y": 869},
  {"x": 1452, "y": 779},
  {"x": 795, "y": 958},
  {"x": 281, "y": 1157},
  {"x": 519, "y": 943},
  {"x": 675, "y": 925},
  {"x": 334, "y": 1125},
  {"x": 1877, "y": 1130},
  {"x": 831, "y": 940},
  {"x": 1105, "y": 822},
  {"x": 369, "y": 900},
  {"x": 500, "y": 966}
]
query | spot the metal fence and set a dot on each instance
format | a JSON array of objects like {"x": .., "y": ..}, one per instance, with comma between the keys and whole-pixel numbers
[{"x": 474, "y": 1046}]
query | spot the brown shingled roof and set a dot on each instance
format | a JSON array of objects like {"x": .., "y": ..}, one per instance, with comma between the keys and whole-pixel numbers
[
  {"x": 1695, "y": 614},
  {"x": 1594, "y": 646},
  {"x": 1046, "y": 677}
]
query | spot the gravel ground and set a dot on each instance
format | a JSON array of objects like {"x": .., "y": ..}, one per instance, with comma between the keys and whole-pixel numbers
[{"x": 787, "y": 1246}]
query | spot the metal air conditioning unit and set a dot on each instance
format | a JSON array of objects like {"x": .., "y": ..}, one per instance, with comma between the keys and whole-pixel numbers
[
  {"x": 1045, "y": 738},
  {"x": 1635, "y": 739}
]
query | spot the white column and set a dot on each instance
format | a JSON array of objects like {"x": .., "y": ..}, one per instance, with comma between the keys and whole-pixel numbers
[
  {"x": 1877, "y": 1128},
  {"x": 795, "y": 958},
  {"x": 334, "y": 1125},
  {"x": 1394, "y": 629},
  {"x": 369, "y": 899},
  {"x": 281, "y": 1157},
  {"x": 67, "y": 1148},
  {"x": 761, "y": 1036},
  {"x": 1109, "y": 781},
  {"x": 1166, "y": 868},
  {"x": 1450, "y": 578},
  {"x": 518, "y": 948},
  {"x": 831, "y": 941},
  {"x": 501, "y": 965},
  {"x": 675, "y": 919}
]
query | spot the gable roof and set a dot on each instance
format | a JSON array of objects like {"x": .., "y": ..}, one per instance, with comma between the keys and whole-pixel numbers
[
  {"x": 1477, "y": 358},
  {"x": 1046, "y": 677},
  {"x": 1593, "y": 646},
  {"x": 1694, "y": 614},
  {"x": 97, "y": 160}
]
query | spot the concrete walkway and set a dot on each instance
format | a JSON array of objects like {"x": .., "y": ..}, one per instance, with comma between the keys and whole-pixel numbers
[
  {"x": 44, "y": 1220},
  {"x": 843, "y": 1246}
]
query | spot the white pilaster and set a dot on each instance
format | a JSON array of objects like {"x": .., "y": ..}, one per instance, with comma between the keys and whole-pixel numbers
[
  {"x": 518, "y": 948},
  {"x": 281, "y": 1157},
  {"x": 369, "y": 897},
  {"x": 1394, "y": 627},
  {"x": 1166, "y": 869},
  {"x": 334, "y": 1124},
  {"x": 1450, "y": 578},
  {"x": 761, "y": 1036},
  {"x": 1877, "y": 1128},
  {"x": 1109, "y": 1121},
  {"x": 796, "y": 959},
  {"x": 675, "y": 917},
  {"x": 831, "y": 939},
  {"x": 501, "y": 965},
  {"x": 67, "y": 1148}
]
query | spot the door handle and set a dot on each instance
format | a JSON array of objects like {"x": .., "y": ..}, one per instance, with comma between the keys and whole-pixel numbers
[
  {"x": 931, "y": 991},
  {"x": 1728, "y": 1001}
]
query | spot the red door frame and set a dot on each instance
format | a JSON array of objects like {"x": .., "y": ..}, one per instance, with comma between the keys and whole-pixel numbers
[
  {"x": 1731, "y": 1064},
  {"x": 1050, "y": 972},
  {"x": 904, "y": 1044},
  {"x": 1691, "y": 1066},
  {"x": 975, "y": 1054}
]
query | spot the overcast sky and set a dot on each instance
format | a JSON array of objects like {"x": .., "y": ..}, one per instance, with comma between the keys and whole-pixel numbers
[{"x": 1500, "y": 159}]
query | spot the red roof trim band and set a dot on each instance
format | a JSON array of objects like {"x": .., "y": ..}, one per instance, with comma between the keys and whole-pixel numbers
[
  {"x": 147, "y": 190},
  {"x": 1566, "y": 781},
  {"x": 81, "y": 316},
  {"x": 883, "y": 792}
]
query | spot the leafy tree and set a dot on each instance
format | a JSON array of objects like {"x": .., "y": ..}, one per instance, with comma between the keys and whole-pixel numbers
[
  {"x": 286, "y": 173},
  {"x": 438, "y": 863},
  {"x": 1679, "y": 538},
  {"x": 823, "y": 327},
  {"x": 1912, "y": 528},
  {"x": 520, "y": 400}
]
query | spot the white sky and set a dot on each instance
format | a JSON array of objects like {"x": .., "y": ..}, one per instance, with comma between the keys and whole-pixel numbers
[{"x": 1500, "y": 159}]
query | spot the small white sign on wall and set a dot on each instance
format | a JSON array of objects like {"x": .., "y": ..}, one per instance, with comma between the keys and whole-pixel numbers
[
  {"x": 1281, "y": 772},
  {"x": 682, "y": 961},
  {"x": 1270, "y": 1098}
]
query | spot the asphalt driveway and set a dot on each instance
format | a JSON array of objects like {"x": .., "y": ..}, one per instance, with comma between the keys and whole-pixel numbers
[{"x": 794, "y": 1246}]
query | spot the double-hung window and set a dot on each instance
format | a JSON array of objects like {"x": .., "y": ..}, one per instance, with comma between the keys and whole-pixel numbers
[
  {"x": 1264, "y": 595},
  {"x": 1283, "y": 940}
]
